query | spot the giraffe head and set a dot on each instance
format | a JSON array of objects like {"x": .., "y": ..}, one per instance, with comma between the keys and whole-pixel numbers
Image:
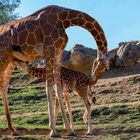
[{"x": 100, "y": 65}]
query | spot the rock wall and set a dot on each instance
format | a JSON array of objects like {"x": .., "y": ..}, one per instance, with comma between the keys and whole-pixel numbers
[
  {"x": 79, "y": 58},
  {"x": 128, "y": 53}
]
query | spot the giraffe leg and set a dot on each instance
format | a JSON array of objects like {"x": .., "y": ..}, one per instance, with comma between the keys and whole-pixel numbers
[
  {"x": 53, "y": 56},
  {"x": 57, "y": 109},
  {"x": 68, "y": 104},
  {"x": 58, "y": 91},
  {"x": 7, "y": 112},
  {"x": 49, "y": 92},
  {"x": 91, "y": 99},
  {"x": 85, "y": 116},
  {"x": 4, "y": 81},
  {"x": 88, "y": 110},
  {"x": 60, "y": 100},
  {"x": 82, "y": 90}
]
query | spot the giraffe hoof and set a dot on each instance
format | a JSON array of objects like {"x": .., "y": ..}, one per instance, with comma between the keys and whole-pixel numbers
[
  {"x": 72, "y": 134},
  {"x": 90, "y": 133},
  {"x": 15, "y": 133},
  {"x": 54, "y": 134}
]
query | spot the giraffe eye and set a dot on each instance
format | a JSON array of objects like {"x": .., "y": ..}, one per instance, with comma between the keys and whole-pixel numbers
[{"x": 16, "y": 48}]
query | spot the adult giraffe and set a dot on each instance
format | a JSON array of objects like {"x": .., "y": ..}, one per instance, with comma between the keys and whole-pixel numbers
[{"x": 42, "y": 36}]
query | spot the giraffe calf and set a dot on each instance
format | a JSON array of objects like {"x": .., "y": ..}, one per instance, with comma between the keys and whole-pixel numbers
[
  {"x": 71, "y": 80},
  {"x": 76, "y": 81}
]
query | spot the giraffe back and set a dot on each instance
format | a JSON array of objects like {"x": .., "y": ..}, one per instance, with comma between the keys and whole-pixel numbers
[{"x": 71, "y": 79}]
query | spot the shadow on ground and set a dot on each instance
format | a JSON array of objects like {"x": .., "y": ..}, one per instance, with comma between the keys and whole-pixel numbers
[{"x": 42, "y": 134}]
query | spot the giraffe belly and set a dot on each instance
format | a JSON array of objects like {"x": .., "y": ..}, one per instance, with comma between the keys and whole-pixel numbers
[{"x": 68, "y": 86}]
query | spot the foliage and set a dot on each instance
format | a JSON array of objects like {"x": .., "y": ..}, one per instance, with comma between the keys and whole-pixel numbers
[{"x": 7, "y": 8}]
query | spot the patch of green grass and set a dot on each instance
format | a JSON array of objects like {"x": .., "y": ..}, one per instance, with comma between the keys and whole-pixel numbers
[
  {"x": 28, "y": 106},
  {"x": 30, "y": 100},
  {"x": 120, "y": 110},
  {"x": 102, "y": 118},
  {"x": 27, "y": 100}
]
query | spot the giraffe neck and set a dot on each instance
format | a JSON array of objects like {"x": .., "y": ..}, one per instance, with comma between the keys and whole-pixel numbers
[
  {"x": 69, "y": 17},
  {"x": 76, "y": 18},
  {"x": 37, "y": 72}
]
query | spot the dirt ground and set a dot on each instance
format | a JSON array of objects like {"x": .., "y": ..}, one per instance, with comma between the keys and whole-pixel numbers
[{"x": 80, "y": 135}]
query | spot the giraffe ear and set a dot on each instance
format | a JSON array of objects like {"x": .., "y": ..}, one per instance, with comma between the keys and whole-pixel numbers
[{"x": 11, "y": 28}]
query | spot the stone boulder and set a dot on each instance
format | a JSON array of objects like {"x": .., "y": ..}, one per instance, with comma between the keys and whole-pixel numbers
[
  {"x": 79, "y": 58},
  {"x": 128, "y": 53},
  {"x": 113, "y": 52}
]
